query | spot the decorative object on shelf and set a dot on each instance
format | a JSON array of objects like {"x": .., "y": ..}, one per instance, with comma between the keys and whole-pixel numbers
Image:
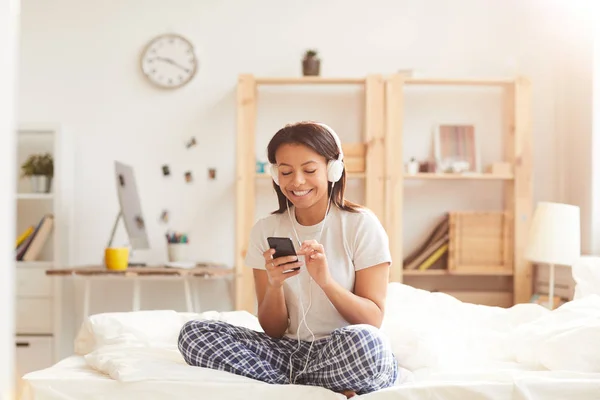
[
  {"x": 499, "y": 168},
  {"x": 168, "y": 61},
  {"x": 427, "y": 166},
  {"x": 455, "y": 148},
  {"x": 354, "y": 157},
  {"x": 311, "y": 63},
  {"x": 261, "y": 166},
  {"x": 554, "y": 238},
  {"x": 458, "y": 167},
  {"x": 412, "y": 166},
  {"x": 39, "y": 168}
]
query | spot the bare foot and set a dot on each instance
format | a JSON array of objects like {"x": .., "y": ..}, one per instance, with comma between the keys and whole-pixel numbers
[{"x": 348, "y": 393}]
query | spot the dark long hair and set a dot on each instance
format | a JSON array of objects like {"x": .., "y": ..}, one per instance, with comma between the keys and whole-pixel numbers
[{"x": 317, "y": 138}]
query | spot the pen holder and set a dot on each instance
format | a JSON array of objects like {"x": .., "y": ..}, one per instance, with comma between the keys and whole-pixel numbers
[{"x": 178, "y": 252}]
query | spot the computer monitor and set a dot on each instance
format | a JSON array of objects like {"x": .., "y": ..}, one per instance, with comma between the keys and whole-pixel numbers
[{"x": 130, "y": 209}]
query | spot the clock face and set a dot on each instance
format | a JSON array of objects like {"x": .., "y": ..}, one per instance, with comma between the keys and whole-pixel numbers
[{"x": 168, "y": 61}]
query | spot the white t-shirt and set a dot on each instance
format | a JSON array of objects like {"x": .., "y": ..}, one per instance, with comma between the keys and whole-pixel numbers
[{"x": 352, "y": 241}]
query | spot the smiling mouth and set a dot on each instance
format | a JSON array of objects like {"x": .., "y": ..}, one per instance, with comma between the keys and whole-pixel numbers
[{"x": 301, "y": 193}]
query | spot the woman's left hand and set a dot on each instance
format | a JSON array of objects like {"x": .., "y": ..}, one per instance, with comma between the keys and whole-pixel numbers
[{"x": 315, "y": 261}]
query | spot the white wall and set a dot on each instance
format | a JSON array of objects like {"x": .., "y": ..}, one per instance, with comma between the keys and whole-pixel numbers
[
  {"x": 80, "y": 68},
  {"x": 595, "y": 243},
  {"x": 576, "y": 74},
  {"x": 9, "y": 28}
]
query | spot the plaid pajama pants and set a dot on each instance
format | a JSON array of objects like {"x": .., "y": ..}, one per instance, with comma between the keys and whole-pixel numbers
[{"x": 355, "y": 357}]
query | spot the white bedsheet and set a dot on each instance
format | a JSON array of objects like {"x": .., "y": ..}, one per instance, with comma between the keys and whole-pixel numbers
[
  {"x": 453, "y": 350},
  {"x": 73, "y": 378}
]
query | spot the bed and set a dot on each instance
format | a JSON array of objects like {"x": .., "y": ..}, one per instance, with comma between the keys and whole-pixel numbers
[{"x": 447, "y": 349}]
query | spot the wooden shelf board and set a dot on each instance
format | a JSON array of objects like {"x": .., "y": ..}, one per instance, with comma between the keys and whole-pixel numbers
[
  {"x": 35, "y": 196},
  {"x": 350, "y": 175},
  {"x": 309, "y": 80},
  {"x": 459, "y": 82},
  {"x": 416, "y": 272},
  {"x": 484, "y": 271},
  {"x": 474, "y": 272},
  {"x": 34, "y": 264},
  {"x": 451, "y": 176}
]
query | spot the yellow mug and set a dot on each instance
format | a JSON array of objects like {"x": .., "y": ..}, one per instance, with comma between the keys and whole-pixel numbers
[{"x": 116, "y": 258}]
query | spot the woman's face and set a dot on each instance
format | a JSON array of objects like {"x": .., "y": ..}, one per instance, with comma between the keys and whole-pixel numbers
[{"x": 302, "y": 175}]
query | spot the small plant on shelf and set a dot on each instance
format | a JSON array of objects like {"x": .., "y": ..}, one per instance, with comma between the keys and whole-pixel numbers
[
  {"x": 39, "y": 168},
  {"x": 311, "y": 64}
]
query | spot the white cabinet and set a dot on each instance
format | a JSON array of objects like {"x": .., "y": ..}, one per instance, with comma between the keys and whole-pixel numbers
[
  {"x": 34, "y": 322},
  {"x": 37, "y": 303},
  {"x": 32, "y": 353}
]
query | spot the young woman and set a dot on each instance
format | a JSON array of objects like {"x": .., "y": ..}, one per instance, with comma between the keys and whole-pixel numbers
[{"x": 321, "y": 321}]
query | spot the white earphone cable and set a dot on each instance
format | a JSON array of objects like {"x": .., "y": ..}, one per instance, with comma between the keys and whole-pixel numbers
[{"x": 301, "y": 301}]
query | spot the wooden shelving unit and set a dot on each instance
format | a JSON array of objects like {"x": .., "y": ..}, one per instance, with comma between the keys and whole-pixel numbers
[
  {"x": 373, "y": 176},
  {"x": 384, "y": 179},
  {"x": 517, "y": 187}
]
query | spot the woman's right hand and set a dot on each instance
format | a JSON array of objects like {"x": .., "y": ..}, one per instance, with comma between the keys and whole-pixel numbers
[{"x": 275, "y": 268}]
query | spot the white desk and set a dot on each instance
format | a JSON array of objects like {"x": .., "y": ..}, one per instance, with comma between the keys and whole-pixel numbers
[{"x": 136, "y": 274}]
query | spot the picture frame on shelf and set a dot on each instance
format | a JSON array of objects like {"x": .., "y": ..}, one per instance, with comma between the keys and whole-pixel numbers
[{"x": 455, "y": 148}]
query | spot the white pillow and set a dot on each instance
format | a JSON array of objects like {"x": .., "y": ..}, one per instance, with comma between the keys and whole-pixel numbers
[
  {"x": 148, "y": 328},
  {"x": 586, "y": 273}
]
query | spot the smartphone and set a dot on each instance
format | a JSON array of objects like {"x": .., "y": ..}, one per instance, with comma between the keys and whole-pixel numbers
[{"x": 283, "y": 247}]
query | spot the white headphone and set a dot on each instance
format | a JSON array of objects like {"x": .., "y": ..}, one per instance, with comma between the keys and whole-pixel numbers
[{"x": 335, "y": 168}]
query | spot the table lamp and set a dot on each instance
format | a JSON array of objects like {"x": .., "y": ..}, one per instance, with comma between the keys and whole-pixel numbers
[{"x": 554, "y": 238}]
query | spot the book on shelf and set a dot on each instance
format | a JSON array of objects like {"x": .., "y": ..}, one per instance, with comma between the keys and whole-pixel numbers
[
  {"x": 432, "y": 250},
  {"x": 434, "y": 257},
  {"x": 23, "y": 236},
  {"x": 32, "y": 245}
]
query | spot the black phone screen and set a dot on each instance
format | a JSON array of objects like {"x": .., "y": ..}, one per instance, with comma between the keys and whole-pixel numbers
[{"x": 283, "y": 247}]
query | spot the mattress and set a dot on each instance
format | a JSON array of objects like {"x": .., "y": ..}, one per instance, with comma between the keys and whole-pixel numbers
[{"x": 446, "y": 350}]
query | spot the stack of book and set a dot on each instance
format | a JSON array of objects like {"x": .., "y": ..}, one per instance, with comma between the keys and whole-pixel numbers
[
  {"x": 433, "y": 253},
  {"x": 31, "y": 242}
]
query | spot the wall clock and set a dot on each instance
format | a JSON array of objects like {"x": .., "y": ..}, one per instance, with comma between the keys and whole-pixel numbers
[{"x": 168, "y": 61}]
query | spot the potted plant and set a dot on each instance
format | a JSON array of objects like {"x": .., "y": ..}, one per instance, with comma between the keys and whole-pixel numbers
[
  {"x": 39, "y": 168},
  {"x": 311, "y": 64}
]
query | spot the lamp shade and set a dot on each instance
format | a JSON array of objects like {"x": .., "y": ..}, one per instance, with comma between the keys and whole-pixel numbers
[{"x": 555, "y": 234}]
